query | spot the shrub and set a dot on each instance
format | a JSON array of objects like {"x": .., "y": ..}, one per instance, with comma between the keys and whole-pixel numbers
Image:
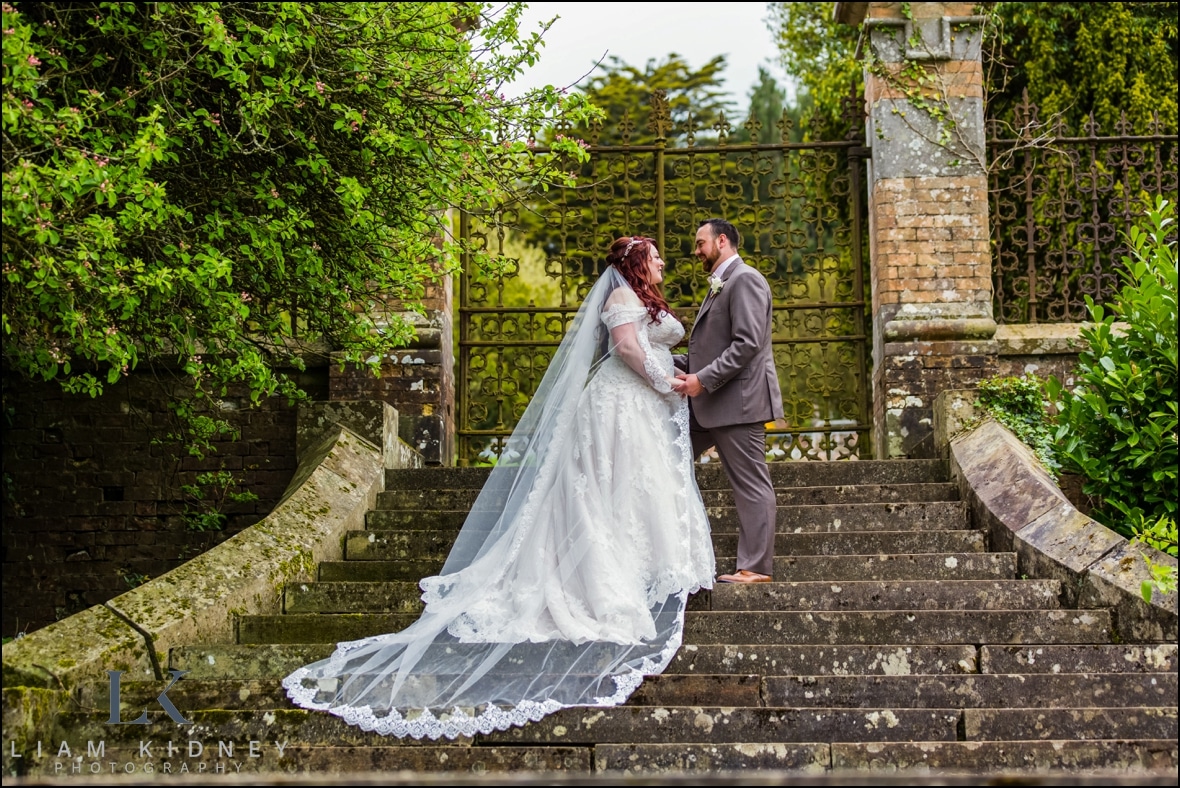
[
  {"x": 1019, "y": 404},
  {"x": 1117, "y": 427}
]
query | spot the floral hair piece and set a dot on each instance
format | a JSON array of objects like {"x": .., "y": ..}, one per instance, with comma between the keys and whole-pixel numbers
[{"x": 634, "y": 240}]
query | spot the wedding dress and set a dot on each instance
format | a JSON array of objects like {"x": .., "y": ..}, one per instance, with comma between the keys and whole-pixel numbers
[{"x": 569, "y": 580}]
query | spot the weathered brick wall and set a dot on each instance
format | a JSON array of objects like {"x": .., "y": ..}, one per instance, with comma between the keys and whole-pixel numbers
[
  {"x": 419, "y": 381},
  {"x": 912, "y": 375},
  {"x": 92, "y": 488},
  {"x": 930, "y": 244}
]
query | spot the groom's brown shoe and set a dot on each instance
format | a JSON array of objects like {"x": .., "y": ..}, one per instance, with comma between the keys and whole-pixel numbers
[{"x": 744, "y": 576}]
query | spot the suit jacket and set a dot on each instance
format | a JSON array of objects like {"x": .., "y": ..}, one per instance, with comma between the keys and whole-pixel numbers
[{"x": 730, "y": 353}]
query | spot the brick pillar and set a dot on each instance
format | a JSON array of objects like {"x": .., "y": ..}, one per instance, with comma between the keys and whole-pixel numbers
[
  {"x": 418, "y": 381},
  {"x": 928, "y": 215}
]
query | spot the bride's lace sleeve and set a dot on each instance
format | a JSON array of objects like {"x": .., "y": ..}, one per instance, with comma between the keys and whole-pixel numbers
[{"x": 627, "y": 319}]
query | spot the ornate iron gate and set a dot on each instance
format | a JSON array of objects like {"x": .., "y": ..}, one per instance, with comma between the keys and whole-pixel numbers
[
  {"x": 800, "y": 209},
  {"x": 1060, "y": 207}
]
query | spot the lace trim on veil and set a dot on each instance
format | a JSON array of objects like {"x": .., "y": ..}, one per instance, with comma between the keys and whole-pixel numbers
[{"x": 465, "y": 722}]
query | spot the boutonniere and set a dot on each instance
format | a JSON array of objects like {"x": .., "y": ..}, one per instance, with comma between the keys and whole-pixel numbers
[{"x": 715, "y": 285}]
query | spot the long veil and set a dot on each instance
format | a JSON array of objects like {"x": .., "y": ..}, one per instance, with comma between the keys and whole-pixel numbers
[{"x": 450, "y": 674}]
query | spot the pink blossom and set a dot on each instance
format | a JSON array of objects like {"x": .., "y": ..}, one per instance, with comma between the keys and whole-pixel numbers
[
  {"x": 246, "y": 297},
  {"x": 320, "y": 86},
  {"x": 33, "y": 61}
]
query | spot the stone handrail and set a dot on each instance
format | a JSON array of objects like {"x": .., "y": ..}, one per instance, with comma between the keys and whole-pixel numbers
[{"x": 1013, "y": 498}]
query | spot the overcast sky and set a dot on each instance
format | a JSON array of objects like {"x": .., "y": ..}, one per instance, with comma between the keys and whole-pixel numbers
[{"x": 638, "y": 32}]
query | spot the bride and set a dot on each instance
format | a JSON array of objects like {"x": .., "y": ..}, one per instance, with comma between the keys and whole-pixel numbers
[{"x": 569, "y": 580}]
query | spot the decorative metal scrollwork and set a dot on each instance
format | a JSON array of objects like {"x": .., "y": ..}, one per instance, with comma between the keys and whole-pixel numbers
[
  {"x": 799, "y": 209},
  {"x": 1060, "y": 207}
]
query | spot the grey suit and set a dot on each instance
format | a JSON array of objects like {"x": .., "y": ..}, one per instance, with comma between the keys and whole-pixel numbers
[{"x": 730, "y": 353}]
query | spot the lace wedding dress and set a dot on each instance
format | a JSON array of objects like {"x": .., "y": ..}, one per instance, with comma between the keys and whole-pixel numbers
[{"x": 569, "y": 580}]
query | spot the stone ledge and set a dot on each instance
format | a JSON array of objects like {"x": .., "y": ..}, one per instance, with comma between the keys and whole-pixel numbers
[
  {"x": 80, "y": 647},
  {"x": 1038, "y": 339},
  {"x": 1115, "y": 581},
  {"x": 375, "y": 421},
  {"x": 1017, "y": 502},
  {"x": 334, "y": 486}
]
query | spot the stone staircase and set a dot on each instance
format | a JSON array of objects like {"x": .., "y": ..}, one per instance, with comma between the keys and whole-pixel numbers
[{"x": 892, "y": 640}]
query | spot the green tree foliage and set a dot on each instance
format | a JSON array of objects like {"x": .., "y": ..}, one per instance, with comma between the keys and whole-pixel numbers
[
  {"x": 818, "y": 52},
  {"x": 768, "y": 111},
  {"x": 696, "y": 98},
  {"x": 1075, "y": 59},
  {"x": 574, "y": 226},
  {"x": 1118, "y": 426},
  {"x": 208, "y": 182}
]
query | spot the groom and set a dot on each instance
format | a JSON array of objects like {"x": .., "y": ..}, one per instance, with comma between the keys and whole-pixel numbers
[{"x": 730, "y": 378}]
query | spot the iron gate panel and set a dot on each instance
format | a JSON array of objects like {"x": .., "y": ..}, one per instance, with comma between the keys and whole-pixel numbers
[
  {"x": 1061, "y": 205},
  {"x": 800, "y": 210}
]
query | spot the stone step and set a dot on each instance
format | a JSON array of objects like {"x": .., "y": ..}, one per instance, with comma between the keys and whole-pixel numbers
[
  {"x": 1117, "y": 759},
  {"x": 657, "y": 761},
  {"x": 231, "y": 661},
  {"x": 402, "y": 545},
  {"x": 427, "y": 499},
  {"x": 783, "y": 628},
  {"x": 782, "y": 474},
  {"x": 825, "y": 659},
  {"x": 923, "y": 566},
  {"x": 212, "y": 662},
  {"x": 397, "y": 596},
  {"x": 731, "y": 725},
  {"x": 1098, "y": 762},
  {"x": 667, "y": 689},
  {"x": 618, "y": 724},
  {"x": 1118, "y": 722},
  {"x": 904, "y": 627},
  {"x": 398, "y": 545},
  {"x": 1042, "y": 690},
  {"x": 319, "y": 627},
  {"x": 298, "y": 762},
  {"x": 405, "y": 596},
  {"x": 274, "y": 661},
  {"x": 920, "y": 516},
  {"x": 888, "y": 595},
  {"x": 1045, "y": 693},
  {"x": 1082, "y": 658},
  {"x": 795, "y": 569},
  {"x": 371, "y": 571}
]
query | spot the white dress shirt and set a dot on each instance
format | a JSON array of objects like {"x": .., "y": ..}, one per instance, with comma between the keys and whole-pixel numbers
[{"x": 721, "y": 268}]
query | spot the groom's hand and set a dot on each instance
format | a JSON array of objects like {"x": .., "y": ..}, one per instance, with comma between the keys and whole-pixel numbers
[{"x": 688, "y": 385}]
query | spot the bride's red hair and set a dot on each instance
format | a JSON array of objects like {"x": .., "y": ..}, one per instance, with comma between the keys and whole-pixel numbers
[{"x": 630, "y": 256}]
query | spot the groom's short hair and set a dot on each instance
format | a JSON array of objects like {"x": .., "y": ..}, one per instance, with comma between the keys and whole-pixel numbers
[{"x": 722, "y": 227}]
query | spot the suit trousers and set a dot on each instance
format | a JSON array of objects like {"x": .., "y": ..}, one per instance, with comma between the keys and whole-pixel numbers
[{"x": 742, "y": 448}]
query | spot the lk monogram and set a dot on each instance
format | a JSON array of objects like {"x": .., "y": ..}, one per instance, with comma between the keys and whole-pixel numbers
[{"x": 162, "y": 699}]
